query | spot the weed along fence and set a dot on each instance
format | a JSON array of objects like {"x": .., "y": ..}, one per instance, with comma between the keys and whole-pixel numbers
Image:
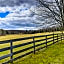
[{"x": 36, "y": 43}]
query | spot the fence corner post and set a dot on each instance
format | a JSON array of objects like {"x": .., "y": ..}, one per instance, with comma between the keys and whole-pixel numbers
[
  {"x": 46, "y": 41},
  {"x": 61, "y": 37},
  {"x": 57, "y": 37},
  {"x": 34, "y": 44},
  {"x": 11, "y": 51},
  {"x": 53, "y": 38}
]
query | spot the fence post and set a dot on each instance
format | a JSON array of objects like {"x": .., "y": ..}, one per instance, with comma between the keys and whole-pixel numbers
[
  {"x": 57, "y": 37},
  {"x": 61, "y": 37},
  {"x": 46, "y": 41},
  {"x": 34, "y": 44},
  {"x": 53, "y": 38},
  {"x": 11, "y": 51}
]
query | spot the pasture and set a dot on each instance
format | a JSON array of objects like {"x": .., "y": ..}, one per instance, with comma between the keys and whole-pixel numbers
[
  {"x": 15, "y": 36},
  {"x": 8, "y": 37},
  {"x": 52, "y": 55}
]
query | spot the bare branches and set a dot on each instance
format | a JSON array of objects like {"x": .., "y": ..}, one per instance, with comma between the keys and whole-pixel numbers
[
  {"x": 47, "y": 6},
  {"x": 53, "y": 9}
]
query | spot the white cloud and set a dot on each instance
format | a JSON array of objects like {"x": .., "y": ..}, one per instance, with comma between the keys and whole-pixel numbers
[{"x": 20, "y": 16}]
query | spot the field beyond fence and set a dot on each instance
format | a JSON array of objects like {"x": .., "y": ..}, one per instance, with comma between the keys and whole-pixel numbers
[{"x": 10, "y": 52}]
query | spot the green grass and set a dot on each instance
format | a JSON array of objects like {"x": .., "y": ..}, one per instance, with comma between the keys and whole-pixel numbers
[
  {"x": 7, "y": 37},
  {"x": 52, "y": 55}
]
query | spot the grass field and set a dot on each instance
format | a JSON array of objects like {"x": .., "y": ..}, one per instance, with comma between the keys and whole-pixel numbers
[
  {"x": 52, "y": 55},
  {"x": 8, "y": 37}
]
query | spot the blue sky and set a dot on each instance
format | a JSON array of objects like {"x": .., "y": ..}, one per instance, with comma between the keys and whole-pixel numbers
[{"x": 4, "y": 14}]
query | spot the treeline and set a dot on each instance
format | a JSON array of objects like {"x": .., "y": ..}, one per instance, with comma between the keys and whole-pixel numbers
[
  {"x": 5, "y": 32},
  {"x": 2, "y": 32}
]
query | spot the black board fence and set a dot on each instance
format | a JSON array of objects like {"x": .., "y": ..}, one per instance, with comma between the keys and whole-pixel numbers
[{"x": 55, "y": 38}]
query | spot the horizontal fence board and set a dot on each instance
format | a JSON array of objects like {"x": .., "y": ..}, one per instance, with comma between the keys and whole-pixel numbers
[
  {"x": 7, "y": 48},
  {"x": 4, "y": 49},
  {"x": 55, "y": 39},
  {"x": 5, "y": 56},
  {"x": 22, "y": 50},
  {"x": 55, "y": 36},
  {"x": 14, "y": 40},
  {"x": 50, "y": 44},
  {"x": 24, "y": 44},
  {"x": 49, "y": 34},
  {"x": 6, "y": 62},
  {"x": 49, "y": 38},
  {"x": 18, "y": 57},
  {"x": 40, "y": 48},
  {"x": 22, "y": 55},
  {"x": 39, "y": 40},
  {"x": 49, "y": 41},
  {"x": 39, "y": 44},
  {"x": 3, "y": 42}
]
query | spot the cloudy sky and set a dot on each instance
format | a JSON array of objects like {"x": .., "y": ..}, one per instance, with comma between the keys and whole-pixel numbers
[{"x": 18, "y": 15}]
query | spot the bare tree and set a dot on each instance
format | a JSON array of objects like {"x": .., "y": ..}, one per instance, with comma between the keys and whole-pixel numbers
[{"x": 51, "y": 10}]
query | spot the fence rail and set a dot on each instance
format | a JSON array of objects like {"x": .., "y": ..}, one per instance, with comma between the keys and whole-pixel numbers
[{"x": 46, "y": 39}]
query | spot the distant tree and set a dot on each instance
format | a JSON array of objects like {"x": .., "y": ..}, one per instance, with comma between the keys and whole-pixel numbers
[{"x": 2, "y": 32}]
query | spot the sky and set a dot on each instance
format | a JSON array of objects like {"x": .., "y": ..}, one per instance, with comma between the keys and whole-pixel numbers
[
  {"x": 3, "y": 14},
  {"x": 18, "y": 15}
]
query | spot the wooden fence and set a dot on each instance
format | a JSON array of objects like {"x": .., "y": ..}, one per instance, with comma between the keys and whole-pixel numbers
[{"x": 55, "y": 38}]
